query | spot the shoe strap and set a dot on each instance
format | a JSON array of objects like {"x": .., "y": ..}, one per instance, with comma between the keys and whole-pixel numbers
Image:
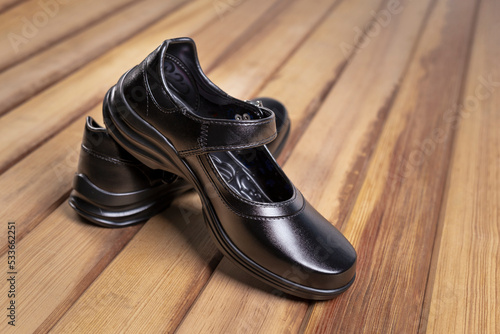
[{"x": 229, "y": 135}]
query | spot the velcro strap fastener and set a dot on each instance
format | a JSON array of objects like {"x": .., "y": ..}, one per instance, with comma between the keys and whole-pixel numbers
[{"x": 229, "y": 135}]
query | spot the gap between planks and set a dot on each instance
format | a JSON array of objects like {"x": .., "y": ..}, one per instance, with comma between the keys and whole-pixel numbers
[
  {"x": 44, "y": 68},
  {"x": 7, "y": 4},
  {"x": 74, "y": 16}
]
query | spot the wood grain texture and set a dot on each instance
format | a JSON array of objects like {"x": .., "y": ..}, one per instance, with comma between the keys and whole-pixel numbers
[
  {"x": 44, "y": 68},
  {"x": 31, "y": 191},
  {"x": 55, "y": 269},
  {"x": 28, "y": 125},
  {"x": 318, "y": 63},
  {"x": 31, "y": 123},
  {"x": 352, "y": 117},
  {"x": 173, "y": 257},
  {"x": 36, "y": 24},
  {"x": 255, "y": 62},
  {"x": 393, "y": 222},
  {"x": 65, "y": 261},
  {"x": 464, "y": 294},
  {"x": 346, "y": 126},
  {"x": 6, "y": 4},
  {"x": 261, "y": 17},
  {"x": 228, "y": 306}
]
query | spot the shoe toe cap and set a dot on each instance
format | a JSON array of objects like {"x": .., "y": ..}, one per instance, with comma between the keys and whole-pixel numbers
[
  {"x": 320, "y": 256},
  {"x": 305, "y": 250}
]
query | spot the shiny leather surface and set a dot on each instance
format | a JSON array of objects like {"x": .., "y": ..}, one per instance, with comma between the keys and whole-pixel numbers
[
  {"x": 113, "y": 188},
  {"x": 280, "y": 238},
  {"x": 109, "y": 166},
  {"x": 194, "y": 132}
]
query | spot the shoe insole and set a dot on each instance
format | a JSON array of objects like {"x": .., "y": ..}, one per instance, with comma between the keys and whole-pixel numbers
[
  {"x": 197, "y": 94},
  {"x": 250, "y": 174}
]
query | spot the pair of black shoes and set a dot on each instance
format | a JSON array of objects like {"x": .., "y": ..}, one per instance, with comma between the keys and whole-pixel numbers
[{"x": 170, "y": 129}]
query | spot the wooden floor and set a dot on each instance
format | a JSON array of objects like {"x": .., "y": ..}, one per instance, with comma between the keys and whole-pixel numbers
[{"x": 395, "y": 109}]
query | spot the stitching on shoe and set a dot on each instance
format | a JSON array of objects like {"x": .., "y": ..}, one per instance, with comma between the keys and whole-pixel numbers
[
  {"x": 194, "y": 151},
  {"x": 150, "y": 92},
  {"x": 108, "y": 159},
  {"x": 185, "y": 112},
  {"x": 147, "y": 104},
  {"x": 204, "y": 135},
  {"x": 178, "y": 62},
  {"x": 114, "y": 161}
]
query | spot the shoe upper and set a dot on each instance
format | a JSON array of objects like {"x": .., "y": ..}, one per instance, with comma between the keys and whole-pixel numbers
[
  {"x": 182, "y": 104},
  {"x": 217, "y": 142},
  {"x": 111, "y": 168}
]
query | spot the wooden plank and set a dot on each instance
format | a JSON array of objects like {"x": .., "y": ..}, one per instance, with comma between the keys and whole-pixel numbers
[
  {"x": 238, "y": 303},
  {"x": 229, "y": 307},
  {"x": 46, "y": 285},
  {"x": 234, "y": 23},
  {"x": 38, "y": 184},
  {"x": 352, "y": 116},
  {"x": 171, "y": 259},
  {"x": 36, "y": 24},
  {"x": 219, "y": 54},
  {"x": 44, "y": 68},
  {"x": 346, "y": 126},
  {"x": 335, "y": 37},
  {"x": 25, "y": 127},
  {"x": 349, "y": 128},
  {"x": 49, "y": 185},
  {"x": 393, "y": 222},
  {"x": 463, "y": 294},
  {"x": 253, "y": 64}
]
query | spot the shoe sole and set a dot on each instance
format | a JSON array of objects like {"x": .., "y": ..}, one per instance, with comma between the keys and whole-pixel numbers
[
  {"x": 154, "y": 150},
  {"x": 110, "y": 209}
]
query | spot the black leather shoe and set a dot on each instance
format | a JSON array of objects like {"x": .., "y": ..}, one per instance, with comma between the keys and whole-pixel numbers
[
  {"x": 112, "y": 188},
  {"x": 170, "y": 116}
]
